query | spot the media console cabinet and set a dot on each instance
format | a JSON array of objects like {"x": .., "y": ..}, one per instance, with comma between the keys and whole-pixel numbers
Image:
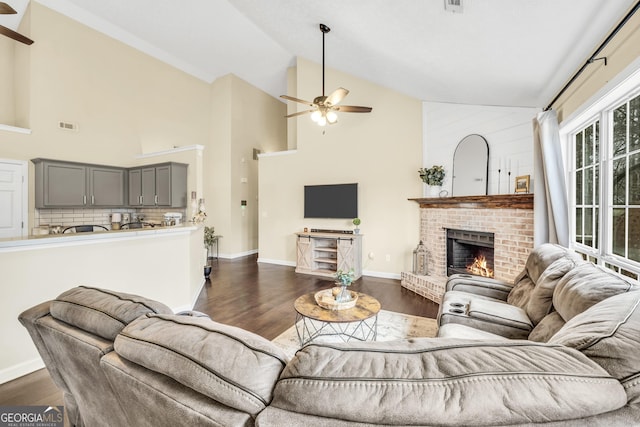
[{"x": 322, "y": 254}]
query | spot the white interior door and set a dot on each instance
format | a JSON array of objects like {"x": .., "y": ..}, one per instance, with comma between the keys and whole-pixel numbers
[{"x": 12, "y": 199}]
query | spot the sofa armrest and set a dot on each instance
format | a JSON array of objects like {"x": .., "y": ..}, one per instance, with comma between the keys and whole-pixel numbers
[
  {"x": 192, "y": 313},
  {"x": 434, "y": 381},
  {"x": 477, "y": 285}
]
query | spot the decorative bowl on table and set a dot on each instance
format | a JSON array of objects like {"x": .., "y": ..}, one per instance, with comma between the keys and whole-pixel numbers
[{"x": 326, "y": 299}]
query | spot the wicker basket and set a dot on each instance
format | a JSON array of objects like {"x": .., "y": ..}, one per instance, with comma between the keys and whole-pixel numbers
[{"x": 325, "y": 299}]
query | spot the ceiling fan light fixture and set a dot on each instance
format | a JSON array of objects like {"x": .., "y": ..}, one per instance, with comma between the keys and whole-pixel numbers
[
  {"x": 315, "y": 116},
  {"x": 325, "y": 107}
]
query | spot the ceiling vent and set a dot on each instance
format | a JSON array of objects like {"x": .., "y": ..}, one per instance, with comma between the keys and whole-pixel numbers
[{"x": 454, "y": 6}]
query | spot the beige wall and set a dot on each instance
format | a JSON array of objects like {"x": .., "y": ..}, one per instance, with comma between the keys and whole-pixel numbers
[
  {"x": 7, "y": 98},
  {"x": 126, "y": 103},
  {"x": 381, "y": 151},
  {"x": 621, "y": 51},
  {"x": 166, "y": 268},
  {"x": 243, "y": 118}
]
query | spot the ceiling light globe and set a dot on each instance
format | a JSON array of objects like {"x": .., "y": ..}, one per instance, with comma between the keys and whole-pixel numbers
[
  {"x": 322, "y": 121},
  {"x": 332, "y": 117},
  {"x": 315, "y": 116}
]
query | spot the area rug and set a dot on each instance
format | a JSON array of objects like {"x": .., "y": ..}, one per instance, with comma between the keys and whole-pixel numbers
[{"x": 391, "y": 326}]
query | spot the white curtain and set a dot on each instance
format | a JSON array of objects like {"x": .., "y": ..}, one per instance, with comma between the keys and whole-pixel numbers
[{"x": 551, "y": 213}]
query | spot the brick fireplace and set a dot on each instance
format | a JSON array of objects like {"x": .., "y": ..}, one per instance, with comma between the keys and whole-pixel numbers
[{"x": 507, "y": 217}]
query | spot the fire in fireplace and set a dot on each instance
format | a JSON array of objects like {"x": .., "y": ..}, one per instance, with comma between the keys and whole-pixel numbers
[{"x": 469, "y": 252}]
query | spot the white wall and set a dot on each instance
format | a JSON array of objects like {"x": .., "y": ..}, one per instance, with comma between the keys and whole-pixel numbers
[{"x": 508, "y": 131}]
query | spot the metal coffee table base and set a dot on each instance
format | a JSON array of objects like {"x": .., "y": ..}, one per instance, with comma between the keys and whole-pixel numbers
[{"x": 310, "y": 329}]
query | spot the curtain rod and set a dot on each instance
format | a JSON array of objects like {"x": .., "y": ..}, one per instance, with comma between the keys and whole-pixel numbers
[{"x": 593, "y": 56}]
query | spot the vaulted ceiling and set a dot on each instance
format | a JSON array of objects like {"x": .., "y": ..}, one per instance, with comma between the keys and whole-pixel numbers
[{"x": 494, "y": 52}]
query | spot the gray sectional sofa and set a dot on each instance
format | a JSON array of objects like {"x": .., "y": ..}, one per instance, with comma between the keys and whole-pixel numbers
[{"x": 123, "y": 360}]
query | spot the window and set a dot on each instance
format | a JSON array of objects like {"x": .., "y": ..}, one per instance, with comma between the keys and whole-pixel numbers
[{"x": 604, "y": 171}]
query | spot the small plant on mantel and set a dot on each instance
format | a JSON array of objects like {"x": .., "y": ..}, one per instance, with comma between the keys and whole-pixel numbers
[{"x": 432, "y": 176}]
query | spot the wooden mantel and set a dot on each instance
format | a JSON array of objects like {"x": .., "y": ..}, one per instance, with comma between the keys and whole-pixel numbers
[{"x": 499, "y": 201}]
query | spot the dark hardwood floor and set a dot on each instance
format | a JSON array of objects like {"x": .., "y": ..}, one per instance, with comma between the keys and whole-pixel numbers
[{"x": 252, "y": 296}]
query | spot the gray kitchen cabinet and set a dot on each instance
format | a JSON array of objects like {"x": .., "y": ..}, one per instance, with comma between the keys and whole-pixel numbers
[
  {"x": 106, "y": 186},
  {"x": 68, "y": 184},
  {"x": 159, "y": 185},
  {"x": 135, "y": 187}
]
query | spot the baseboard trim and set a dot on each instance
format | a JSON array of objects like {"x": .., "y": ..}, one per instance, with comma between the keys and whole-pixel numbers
[
  {"x": 239, "y": 254},
  {"x": 277, "y": 262},
  {"x": 381, "y": 274},
  {"x": 21, "y": 369}
]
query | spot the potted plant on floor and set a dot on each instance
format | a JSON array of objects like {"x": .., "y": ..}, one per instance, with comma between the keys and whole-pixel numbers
[{"x": 209, "y": 239}]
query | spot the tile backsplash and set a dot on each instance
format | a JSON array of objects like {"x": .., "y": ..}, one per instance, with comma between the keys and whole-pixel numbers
[{"x": 68, "y": 217}]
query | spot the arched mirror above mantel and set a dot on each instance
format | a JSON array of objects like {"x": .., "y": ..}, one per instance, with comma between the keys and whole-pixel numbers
[{"x": 471, "y": 166}]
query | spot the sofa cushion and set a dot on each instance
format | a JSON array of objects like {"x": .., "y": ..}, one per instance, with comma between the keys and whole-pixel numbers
[
  {"x": 499, "y": 313},
  {"x": 537, "y": 263},
  {"x": 586, "y": 285},
  {"x": 608, "y": 334},
  {"x": 548, "y": 326},
  {"x": 519, "y": 295},
  {"x": 230, "y": 365},
  {"x": 102, "y": 312},
  {"x": 541, "y": 298},
  {"x": 446, "y": 382},
  {"x": 455, "y": 330}
]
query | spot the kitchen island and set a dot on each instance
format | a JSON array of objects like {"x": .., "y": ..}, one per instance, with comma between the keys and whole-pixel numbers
[{"x": 165, "y": 264}]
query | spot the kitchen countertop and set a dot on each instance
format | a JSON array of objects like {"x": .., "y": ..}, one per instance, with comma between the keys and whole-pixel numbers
[{"x": 21, "y": 243}]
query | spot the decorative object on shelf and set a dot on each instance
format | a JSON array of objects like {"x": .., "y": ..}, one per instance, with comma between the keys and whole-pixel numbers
[
  {"x": 356, "y": 222},
  {"x": 420, "y": 259},
  {"x": 326, "y": 299},
  {"x": 194, "y": 205},
  {"x": 433, "y": 177},
  {"x": 201, "y": 213},
  {"x": 209, "y": 239},
  {"x": 344, "y": 279},
  {"x": 522, "y": 184}
]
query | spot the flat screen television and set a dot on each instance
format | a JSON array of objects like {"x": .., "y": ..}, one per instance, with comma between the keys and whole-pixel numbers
[{"x": 331, "y": 201}]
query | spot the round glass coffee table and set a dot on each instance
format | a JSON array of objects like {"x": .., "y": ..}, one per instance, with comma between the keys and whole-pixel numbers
[{"x": 359, "y": 322}]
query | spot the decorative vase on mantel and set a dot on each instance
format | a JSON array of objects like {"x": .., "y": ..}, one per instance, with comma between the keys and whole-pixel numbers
[{"x": 434, "y": 190}]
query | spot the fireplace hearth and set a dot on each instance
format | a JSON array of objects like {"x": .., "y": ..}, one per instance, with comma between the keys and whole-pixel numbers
[
  {"x": 470, "y": 252},
  {"x": 506, "y": 217}
]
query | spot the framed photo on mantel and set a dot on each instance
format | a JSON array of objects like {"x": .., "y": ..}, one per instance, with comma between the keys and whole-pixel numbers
[{"x": 522, "y": 184}]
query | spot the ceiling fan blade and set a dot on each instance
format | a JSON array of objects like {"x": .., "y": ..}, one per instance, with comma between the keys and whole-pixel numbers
[
  {"x": 5, "y": 9},
  {"x": 336, "y": 96},
  {"x": 302, "y": 101},
  {"x": 16, "y": 36},
  {"x": 353, "y": 109},
  {"x": 300, "y": 113}
]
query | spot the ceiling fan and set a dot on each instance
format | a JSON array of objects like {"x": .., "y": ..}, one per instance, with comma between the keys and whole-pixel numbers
[
  {"x": 325, "y": 107},
  {"x": 5, "y": 9}
]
